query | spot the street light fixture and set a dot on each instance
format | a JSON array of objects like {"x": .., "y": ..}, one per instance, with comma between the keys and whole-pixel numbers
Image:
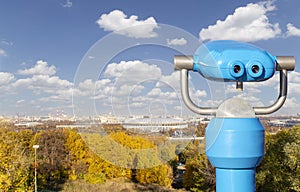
[{"x": 35, "y": 173}]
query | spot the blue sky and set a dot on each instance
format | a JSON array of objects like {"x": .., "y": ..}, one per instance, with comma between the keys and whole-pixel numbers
[{"x": 53, "y": 53}]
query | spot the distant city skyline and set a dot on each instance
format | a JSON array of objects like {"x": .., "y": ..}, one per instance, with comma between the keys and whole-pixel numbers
[{"x": 95, "y": 57}]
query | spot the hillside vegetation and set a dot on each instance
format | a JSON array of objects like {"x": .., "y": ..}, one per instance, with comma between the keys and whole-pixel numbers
[{"x": 71, "y": 161}]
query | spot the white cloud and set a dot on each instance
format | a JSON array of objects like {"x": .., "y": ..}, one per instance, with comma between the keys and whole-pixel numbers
[
  {"x": 127, "y": 90},
  {"x": 249, "y": 23},
  {"x": 137, "y": 104},
  {"x": 154, "y": 99},
  {"x": 251, "y": 99},
  {"x": 6, "y": 78},
  {"x": 68, "y": 4},
  {"x": 20, "y": 101},
  {"x": 294, "y": 84},
  {"x": 155, "y": 92},
  {"x": 46, "y": 90},
  {"x": 135, "y": 86},
  {"x": 119, "y": 23},
  {"x": 292, "y": 30},
  {"x": 291, "y": 105},
  {"x": 132, "y": 71},
  {"x": 61, "y": 95},
  {"x": 2, "y": 52},
  {"x": 201, "y": 93},
  {"x": 172, "y": 80},
  {"x": 6, "y": 42},
  {"x": 159, "y": 94},
  {"x": 43, "y": 84},
  {"x": 177, "y": 41},
  {"x": 294, "y": 77},
  {"x": 41, "y": 68},
  {"x": 120, "y": 81},
  {"x": 89, "y": 85},
  {"x": 197, "y": 96}
]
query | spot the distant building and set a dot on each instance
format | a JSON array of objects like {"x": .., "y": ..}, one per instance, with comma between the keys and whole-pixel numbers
[
  {"x": 45, "y": 118},
  {"x": 284, "y": 122},
  {"x": 27, "y": 124},
  {"x": 108, "y": 119},
  {"x": 73, "y": 126},
  {"x": 155, "y": 124}
]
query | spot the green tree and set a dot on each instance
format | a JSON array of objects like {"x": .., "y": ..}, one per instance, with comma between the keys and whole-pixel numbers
[
  {"x": 280, "y": 168},
  {"x": 199, "y": 175}
]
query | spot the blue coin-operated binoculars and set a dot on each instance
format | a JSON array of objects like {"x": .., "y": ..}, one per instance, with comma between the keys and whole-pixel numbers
[{"x": 234, "y": 137}]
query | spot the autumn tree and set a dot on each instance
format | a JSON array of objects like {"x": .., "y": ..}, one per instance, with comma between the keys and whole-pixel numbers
[
  {"x": 161, "y": 175},
  {"x": 15, "y": 164},
  {"x": 113, "y": 159},
  {"x": 129, "y": 156},
  {"x": 53, "y": 158},
  {"x": 78, "y": 154},
  {"x": 280, "y": 168},
  {"x": 199, "y": 175},
  {"x": 97, "y": 170}
]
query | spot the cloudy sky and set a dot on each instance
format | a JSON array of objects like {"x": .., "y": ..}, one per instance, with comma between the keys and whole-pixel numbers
[{"x": 98, "y": 57}]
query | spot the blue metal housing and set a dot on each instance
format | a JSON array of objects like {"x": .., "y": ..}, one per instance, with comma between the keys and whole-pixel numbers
[
  {"x": 226, "y": 60},
  {"x": 235, "y": 146}
]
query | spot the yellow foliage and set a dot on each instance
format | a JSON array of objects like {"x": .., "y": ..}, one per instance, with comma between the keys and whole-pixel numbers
[
  {"x": 78, "y": 151},
  {"x": 73, "y": 175},
  {"x": 132, "y": 142},
  {"x": 161, "y": 175},
  {"x": 14, "y": 164},
  {"x": 98, "y": 165},
  {"x": 119, "y": 154},
  {"x": 66, "y": 154}
]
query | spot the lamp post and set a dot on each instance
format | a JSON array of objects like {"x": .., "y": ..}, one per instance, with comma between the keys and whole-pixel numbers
[{"x": 35, "y": 173}]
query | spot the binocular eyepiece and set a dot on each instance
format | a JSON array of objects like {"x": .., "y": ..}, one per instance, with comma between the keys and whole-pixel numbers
[
  {"x": 237, "y": 62},
  {"x": 233, "y": 61}
]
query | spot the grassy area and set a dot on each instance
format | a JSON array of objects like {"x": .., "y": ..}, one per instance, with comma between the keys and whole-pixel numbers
[{"x": 116, "y": 185}]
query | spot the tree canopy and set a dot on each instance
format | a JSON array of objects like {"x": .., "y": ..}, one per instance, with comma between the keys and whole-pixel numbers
[{"x": 67, "y": 155}]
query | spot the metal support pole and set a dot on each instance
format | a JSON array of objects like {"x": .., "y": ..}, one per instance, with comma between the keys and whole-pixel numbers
[
  {"x": 35, "y": 172},
  {"x": 35, "y": 179}
]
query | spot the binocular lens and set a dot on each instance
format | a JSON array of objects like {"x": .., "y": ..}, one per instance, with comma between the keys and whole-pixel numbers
[
  {"x": 237, "y": 68},
  {"x": 255, "y": 68}
]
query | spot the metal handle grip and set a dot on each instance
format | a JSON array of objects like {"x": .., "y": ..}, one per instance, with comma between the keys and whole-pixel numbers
[
  {"x": 285, "y": 62},
  {"x": 183, "y": 62},
  {"x": 280, "y": 100},
  {"x": 186, "y": 97}
]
